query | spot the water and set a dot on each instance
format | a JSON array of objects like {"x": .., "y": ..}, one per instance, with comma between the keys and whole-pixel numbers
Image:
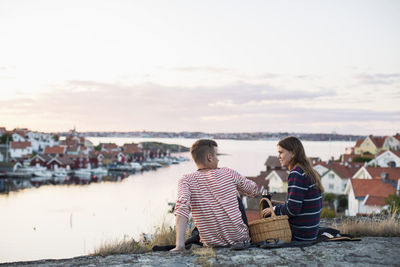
[{"x": 72, "y": 220}]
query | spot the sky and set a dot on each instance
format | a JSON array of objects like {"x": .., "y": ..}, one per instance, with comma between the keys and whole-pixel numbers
[{"x": 211, "y": 66}]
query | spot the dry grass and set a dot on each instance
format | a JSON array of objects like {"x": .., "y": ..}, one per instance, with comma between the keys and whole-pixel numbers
[
  {"x": 162, "y": 236},
  {"x": 125, "y": 246},
  {"x": 388, "y": 227}
]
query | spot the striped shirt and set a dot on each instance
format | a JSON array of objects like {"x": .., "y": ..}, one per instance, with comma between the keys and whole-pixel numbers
[
  {"x": 212, "y": 198},
  {"x": 303, "y": 206}
]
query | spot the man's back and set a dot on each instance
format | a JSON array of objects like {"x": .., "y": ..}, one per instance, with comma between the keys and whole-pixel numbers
[{"x": 212, "y": 197}]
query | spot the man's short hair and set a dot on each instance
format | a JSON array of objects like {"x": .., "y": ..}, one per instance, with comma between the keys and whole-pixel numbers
[{"x": 201, "y": 148}]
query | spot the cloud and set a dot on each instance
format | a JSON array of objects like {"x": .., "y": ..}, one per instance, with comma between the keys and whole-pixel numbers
[
  {"x": 236, "y": 107},
  {"x": 204, "y": 69},
  {"x": 378, "y": 78}
]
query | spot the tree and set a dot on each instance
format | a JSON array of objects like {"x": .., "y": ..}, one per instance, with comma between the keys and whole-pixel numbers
[
  {"x": 393, "y": 201},
  {"x": 56, "y": 138},
  {"x": 342, "y": 202},
  {"x": 5, "y": 138},
  {"x": 330, "y": 198}
]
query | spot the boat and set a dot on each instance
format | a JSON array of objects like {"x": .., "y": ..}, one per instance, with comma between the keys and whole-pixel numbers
[
  {"x": 83, "y": 175},
  {"x": 136, "y": 165},
  {"x": 60, "y": 176},
  {"x": 98, "y": 173}
]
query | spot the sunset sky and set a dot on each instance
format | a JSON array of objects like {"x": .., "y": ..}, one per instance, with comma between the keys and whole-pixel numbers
[{"x": 211, "y": 66}]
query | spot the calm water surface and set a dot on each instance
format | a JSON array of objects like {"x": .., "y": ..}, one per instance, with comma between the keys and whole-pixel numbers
[{"x": 72, "y": 220}]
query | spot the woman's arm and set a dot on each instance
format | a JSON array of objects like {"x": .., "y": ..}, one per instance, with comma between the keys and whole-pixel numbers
[{"x": 297, "y": 187}]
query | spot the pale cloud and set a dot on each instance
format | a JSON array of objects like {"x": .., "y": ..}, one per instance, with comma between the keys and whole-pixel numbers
[
  {"x": 378, "y": 78},
  {"x": 237, "y": 107},
  {"x": 204, "y": 69}
]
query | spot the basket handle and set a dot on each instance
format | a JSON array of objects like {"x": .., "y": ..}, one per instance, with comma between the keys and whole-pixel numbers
[{"x": 270, "y": 205}]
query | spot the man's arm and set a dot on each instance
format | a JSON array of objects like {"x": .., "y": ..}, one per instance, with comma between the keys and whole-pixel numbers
[
  {"x": 181, "y": 223},
  {"x": 245, "y": 185}
]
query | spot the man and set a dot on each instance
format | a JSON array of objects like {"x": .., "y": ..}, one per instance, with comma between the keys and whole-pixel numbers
[{"x": 211, "y": 194}]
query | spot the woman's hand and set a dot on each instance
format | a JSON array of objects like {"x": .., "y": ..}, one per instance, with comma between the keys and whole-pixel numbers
[{"x": 266, "y": 212}]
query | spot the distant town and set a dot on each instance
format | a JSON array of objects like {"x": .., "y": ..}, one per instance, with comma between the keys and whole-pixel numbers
[
  {"x": 364, "y": 180},
  {"x": 233, "y": 136}
]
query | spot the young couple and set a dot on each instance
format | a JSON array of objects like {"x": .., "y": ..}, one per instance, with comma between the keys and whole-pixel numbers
[{"x": 211, "y": 194}]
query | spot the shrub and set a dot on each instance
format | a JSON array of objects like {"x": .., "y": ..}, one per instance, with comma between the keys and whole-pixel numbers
[
  {"x": 342, "y": 202},
  {"x": 328, "y": 213},
  {"x": 393, "y": 201}
]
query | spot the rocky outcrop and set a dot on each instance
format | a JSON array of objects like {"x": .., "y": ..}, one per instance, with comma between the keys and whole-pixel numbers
[{"x": 370, "y": 251}]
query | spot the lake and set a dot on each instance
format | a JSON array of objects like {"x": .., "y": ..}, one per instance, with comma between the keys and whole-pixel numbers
[{"x": 62, "y": 221}]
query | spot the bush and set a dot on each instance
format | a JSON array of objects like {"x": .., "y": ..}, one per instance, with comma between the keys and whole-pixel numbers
[
  {"x": 342, "y": 202},
  {"x": 393, "y": 201},
  {"x": 328, "y": 213}
]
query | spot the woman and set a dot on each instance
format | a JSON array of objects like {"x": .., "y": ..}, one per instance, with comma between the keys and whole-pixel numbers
[{"x": 304, "y": 200}]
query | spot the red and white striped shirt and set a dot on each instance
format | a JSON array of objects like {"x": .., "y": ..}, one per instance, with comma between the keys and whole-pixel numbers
[{"x": 212, "y": 197}]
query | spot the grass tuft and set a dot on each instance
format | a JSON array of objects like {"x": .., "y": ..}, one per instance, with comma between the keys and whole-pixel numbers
[
  {"x": 163, "y": 235},
  {"x": 388, "y": 227}
]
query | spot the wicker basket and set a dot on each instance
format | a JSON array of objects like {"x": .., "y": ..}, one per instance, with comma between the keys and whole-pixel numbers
[{"x": 272, "y": 228}]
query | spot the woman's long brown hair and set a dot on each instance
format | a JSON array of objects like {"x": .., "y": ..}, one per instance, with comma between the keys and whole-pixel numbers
[{"x": 294, "y": 145}]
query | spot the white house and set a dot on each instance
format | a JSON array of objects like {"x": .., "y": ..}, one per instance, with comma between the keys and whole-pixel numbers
[
  {"x": 20, "y": 149},
  {"x": 368, "y": 172},
  {"x": 336, "y": 178},
  {"x": 391, "y": 143},
  {"x": 321, "y": 168},
  {"x": 277, "y": 181},
  {"x": 366, "y": 196},
  {"x": 18, "y": 138},
  {"x": 386, "y": 159}
]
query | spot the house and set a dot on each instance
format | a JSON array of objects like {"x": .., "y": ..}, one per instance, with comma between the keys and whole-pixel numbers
[
  {"x": 335, "y": 179},
  {"x": 9, "y": 166},
  {"x": 96, "y": 158},
  {"x": 370, "y": 145},
  {"x": 273, "y": 163},
  {"x": 110, "y": 158},
  {"x": 3, "y": 130},
  {"x": 18, "y": 137},
  {"x": 109, "y": 147},
  {"x": 367, "y": 196},
  {"x": 61, "y": 162},
  {"x": 133, "y": 152},
  {"x": 275, "y": 174},
  {"x": 374, "y": 145},
  {"x": 40, "y": 160},
  {"x": 278, "y": 181},
  {"x": 73, "y": 150},
  {"x": 321, "y": 167},
  {"x": 80, "y": 161},
  {"x": 367, "y": 172},
  {"x": 55, "y": 151},
  {"x": 387, "y": 158},
  {"x": 20, "y": 149},
  {"x": 391, "y": 143}
]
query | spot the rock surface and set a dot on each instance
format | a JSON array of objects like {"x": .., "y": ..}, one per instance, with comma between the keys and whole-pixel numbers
[{"x": 370, "y": 251}]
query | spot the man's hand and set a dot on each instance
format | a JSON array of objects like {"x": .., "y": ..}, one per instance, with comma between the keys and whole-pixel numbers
[
  {"x": 266, "y": 212},
  {"x": 180, "y": 233},
  {"x": 180, "y": 248}
]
